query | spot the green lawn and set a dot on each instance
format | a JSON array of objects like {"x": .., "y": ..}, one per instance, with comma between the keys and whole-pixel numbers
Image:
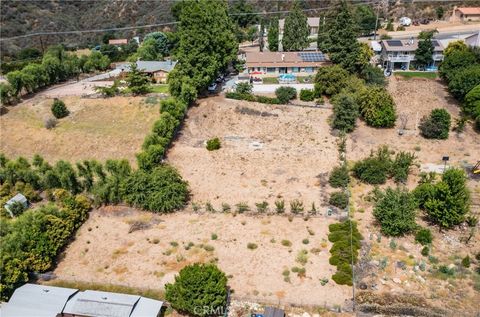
[
  {"x": 428, "y": 75},
  {"x": 159, "y": 89},
  {"x": 270, "y": 80}
]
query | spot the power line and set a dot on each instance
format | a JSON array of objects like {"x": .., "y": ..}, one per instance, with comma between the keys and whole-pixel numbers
[{"x": 364, "y": 2}]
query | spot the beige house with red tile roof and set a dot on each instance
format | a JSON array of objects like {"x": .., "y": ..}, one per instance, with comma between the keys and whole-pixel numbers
[{"x": 466, "y": 14}]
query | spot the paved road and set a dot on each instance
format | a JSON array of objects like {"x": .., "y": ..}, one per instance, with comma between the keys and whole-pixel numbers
[
  {"x": 443, "y": 33},
  {"x": 272, "y": 88}
]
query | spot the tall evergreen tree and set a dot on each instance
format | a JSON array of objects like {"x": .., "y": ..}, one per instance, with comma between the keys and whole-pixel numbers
[
  {"x": 207, "y": 44},
  {"x": 424, "y": 52},
  {"x": 343, "y": 47},
  {"x": 296, "y": 31},
  {"x": 366, "y": 19},
  {"x": 273, "y": 35},
  {"x": 241, "y": 13}
]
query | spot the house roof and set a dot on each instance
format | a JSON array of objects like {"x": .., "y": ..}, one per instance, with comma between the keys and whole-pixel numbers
[
  {"x": 286, "y": 59},
  {"x": 37, "y": 300},
  {"x": 473, "y": 40},
  {"x": 469, "y": 10},
  {"x": 118, "y": 41},
  {"x": 18, "y": 198},
  {"x": 312, "y": 22},
  {"x": 106, "y": 304},
  {"x": 408, "y": 45},
  {"x": 150, "y": 66}
]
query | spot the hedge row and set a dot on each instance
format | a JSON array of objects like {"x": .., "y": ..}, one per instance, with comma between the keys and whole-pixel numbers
[
  {"x": 342, "y": 252},
  {"x": 250, "y": 97},
  {"x": 32, "y": 242},
  {"x": 172, "y": 112}
]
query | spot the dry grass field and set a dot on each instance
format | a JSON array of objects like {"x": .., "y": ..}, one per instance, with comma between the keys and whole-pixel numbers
[
  {"x": 95, "y": 129},
  {"x": 249, "y": 249}
]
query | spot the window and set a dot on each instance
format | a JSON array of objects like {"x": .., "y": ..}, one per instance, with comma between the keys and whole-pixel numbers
[
  {"x": 270, "y": 69},
  {"x": 295, "y": 69},
  {"x": 309, "y": 69}
]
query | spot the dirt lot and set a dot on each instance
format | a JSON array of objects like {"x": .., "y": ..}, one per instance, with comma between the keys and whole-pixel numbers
[
  {"x": 105, "y": 252},
  {"x": 267, "y": 152},
  {"x": 95, "y": 129}
]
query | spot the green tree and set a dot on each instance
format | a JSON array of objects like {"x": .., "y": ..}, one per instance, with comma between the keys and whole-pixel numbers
[
  {"x": 207, "y": 45},
  {"x": 162, "y": 45},
  {"x": 471, "y": 103},
  {"x": 323, "y": 39},
  {"x": 366, "y": 19},
  {"x": 343, "y": 46},
  {"x": 6, "y": 93},
  {"x": 395, "y": 211},
  {"x": 457, "y": 58},
  {"x": 463, "y": 80},
  {"x": 296, "y": 31},
  {"x": 377, "y": 107},
  {"x": 345, "y": 112},
  {"x": 199, "y": 289},
  {"x": 59, "y": 110},
  {"x": 437, "y": 125},
  {"x": 252, "y": 33},
  {"x": 450, "y": 200},
  {"x": 137, "y": 81},
  {"x": 440, "y": 11},
  {"x": 424, "y": 52},
  {"x": 242, "y": 13},
  {"x": 273, "y": 35},
  {"x": 330, "y": 80}
]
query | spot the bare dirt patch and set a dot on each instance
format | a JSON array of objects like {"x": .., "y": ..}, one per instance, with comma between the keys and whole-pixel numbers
[
  {"x": 105, "y": 252},
  {"x": 95, "y": 129},
  {"x": 268, "y": 152}
]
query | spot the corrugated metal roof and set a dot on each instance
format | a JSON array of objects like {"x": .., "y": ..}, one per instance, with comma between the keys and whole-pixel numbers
[
  {"x": 18, "y": 198},
  {"x": 147, "y": 307},
  {"x": 37, "y": 300},
  {"x": 101, "y": 304}
]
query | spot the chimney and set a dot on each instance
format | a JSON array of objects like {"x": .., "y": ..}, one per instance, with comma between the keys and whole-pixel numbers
[{"x": 283, "y": 57}]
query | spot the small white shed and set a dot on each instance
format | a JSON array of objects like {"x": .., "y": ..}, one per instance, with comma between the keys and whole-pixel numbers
[{"x": 18, "y": 198}]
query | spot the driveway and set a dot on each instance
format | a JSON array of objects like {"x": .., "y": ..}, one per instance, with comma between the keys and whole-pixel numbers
[{"x": 273, "y": 87}]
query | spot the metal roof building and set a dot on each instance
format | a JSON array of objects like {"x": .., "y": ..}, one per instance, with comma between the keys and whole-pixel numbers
[
  {"x": 18, "y": 198},
  {"x": 37, "y": 300},
  {"x": 48, "y": 301}
]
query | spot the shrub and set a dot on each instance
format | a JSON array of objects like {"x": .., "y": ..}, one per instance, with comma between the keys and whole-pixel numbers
[
  {"x": 244, "y": 88},
  {"x": 242, "y": 207},
  {"x": 395, "y": 211},
  {"x": 423, "y": 236},
  {"x": 463, "y": 80},
  {"x": 477, "y": 123},
  {"x": 59, "y": 110},
  {"x": 339, "y": 199},
  {"x": 296, "y": 206},
  {"x": 198, "y": 286},
  {"x": 330, "y": 80},
  {"x": 302, "y": 257},
  {"x": 173, "y": 106},
  {"x": 339, "y": 177},
  {"x": 446, "y": 270},
  {"x": 214, "y": 236},
  {"x": 377, "y": 107},
  {"x": 262, "y": 207},
  {"x": 286, "y": 243},
  {"x": 50, "y": 123},
  {"x": 401, "y": 166},
  {"x": 425, "y": 251},
  {"x": 213, "y": 144},
  {"x": 17, "y": 208},
  {"x": 447, "y": 202},
  {"x": 267, "y": 100},
  {"x": 252, "y": 246},
  {"x": 466, "y": 262},
  {"x": 345, "y": 112},
  {"x": 373, "y": 75},
  {"x": 307, "y": 95},
  {"x": 280, "y": 206},
  {"x": 471, "y": 104},
  {"x": 437, "y": 125},
  {"x": 371, "y": 171},
  {"x": 285, "y": 94},
  {"x": 305, "y": 241}
]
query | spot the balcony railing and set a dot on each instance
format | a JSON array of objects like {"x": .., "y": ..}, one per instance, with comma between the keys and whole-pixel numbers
[
  {"x": 437, "y": 57},
  {"x": 400, "y": 58}
]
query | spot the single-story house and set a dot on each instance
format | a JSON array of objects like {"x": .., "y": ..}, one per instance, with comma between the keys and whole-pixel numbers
[
  {"x": 118, "y": 41},
  {"x": 274, "y": 63},
  {"x": 466, "y": 14},
  {"x": 50, "y": 301},
  {"x": 398, "y": 54},
  {"x": 157, "y": 70},
  {"x": 18, "y": 198}
]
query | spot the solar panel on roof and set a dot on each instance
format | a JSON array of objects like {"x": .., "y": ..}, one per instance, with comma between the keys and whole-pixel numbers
[
  {"x": 395, "y": 43},
  {"x": 312, "y": 56}
]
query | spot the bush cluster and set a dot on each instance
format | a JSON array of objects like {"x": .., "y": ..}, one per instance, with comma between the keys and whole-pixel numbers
[
  {"x": 59, "y": 110},
  {"x": 285, "y": 94},
  {"x": 395, "y": 211},
  {"x": 341, "y": 252},
  {"x": 446, "y": 202},
  {"x": 345, "y": 112},
  {"x": 196, "y": 288},
  {"x": 379, "y": 166},
  {"x": 339, "y": 199},
  {"x": 172, "y": 111},
  {"x": 423, "y": 236},
  {"x": 339, "y": 177},
  {"x": 377, "y": 107},
  {"x": 213, "y": 144},
  {"x": 437, "y": 125},
  {"x": 307, "y": 95},
  {"x": 34, "y": 239},
  {"x": 330, "y": 80}
]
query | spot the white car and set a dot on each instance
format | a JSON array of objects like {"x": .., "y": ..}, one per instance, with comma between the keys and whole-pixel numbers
[{"x": 405, "y": 21}]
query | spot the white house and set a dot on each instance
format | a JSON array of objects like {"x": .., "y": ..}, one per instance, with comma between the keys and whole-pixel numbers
[{"x": 398, "y": 54}]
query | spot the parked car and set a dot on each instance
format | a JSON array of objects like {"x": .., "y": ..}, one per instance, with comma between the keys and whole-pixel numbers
[
  {"x": 424, "y": 21},
  {"x": 405, "y": 21},
  {"x": 212, "y": 87}
]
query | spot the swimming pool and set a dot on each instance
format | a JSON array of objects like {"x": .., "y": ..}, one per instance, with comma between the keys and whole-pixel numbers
[{"x": 287, "y": 77}]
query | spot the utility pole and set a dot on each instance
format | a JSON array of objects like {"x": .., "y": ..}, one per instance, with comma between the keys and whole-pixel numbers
[{"x": 376, "y": 23}]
